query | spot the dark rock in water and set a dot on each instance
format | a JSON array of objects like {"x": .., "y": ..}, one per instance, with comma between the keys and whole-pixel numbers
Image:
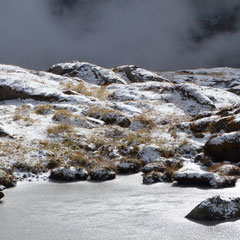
[
  {"x": 1, "y": 195},
  {"x": 216, "y": 208},
  {"x": 203, "y": 178},
  {"x": 69, "y": 174},
  {"x": 224, "y": 147},
  {"x": 128, "y": 166},
  {"x": 154, "y": 177},
  {"x": 102, "y": 174},
  {"x": 7, "y": 179}
]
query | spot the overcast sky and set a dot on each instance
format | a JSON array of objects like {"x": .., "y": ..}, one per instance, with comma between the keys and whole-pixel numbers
[{"x": 160, "y": 35}]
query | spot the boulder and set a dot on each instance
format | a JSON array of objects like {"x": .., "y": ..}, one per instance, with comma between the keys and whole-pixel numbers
[
  {"x": 66, "y": 173},
  {"x": 102, "y": 174},
  {"x": 128, "y": 166},
  {"x": 193, "y": 175},
  {"x": 109, "y": 116},
  {"x": 224, "y": 147},
  {"x": 154, "y": 166},
  {"x": 1, "y": 195},
  {"x": 216, "y": 208},
  {"x": 150, "y": 153},
  {"x": 154, "y": 177}
]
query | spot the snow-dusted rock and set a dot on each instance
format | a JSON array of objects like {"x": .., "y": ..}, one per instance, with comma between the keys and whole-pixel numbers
[
  {"x": 88, "y": 72},
  {"x": 128, "y": 166},
  {"x": 133, "y": 73},
  {"x": 191, "y": 174},
  {"x": 154, "y": 166},
  {"x": 226, "y": 169},
  {"x": 154, "y": 177},
  {"x": 109, "y": 116},
  {"x": 102, "y": 174},
  {"x": 2, "y": 188},
  {"x": 216, "y": 208},
  {"x": 224, "y": 147},
  {"x": 67, "y": 173},
  {"x": 150, "y": 153}
]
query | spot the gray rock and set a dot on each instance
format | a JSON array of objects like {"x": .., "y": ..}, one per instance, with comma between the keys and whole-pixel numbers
[
  {"x": 69, "y": 174},
  {"x": 102, "y": 174},
  {"x": 216, "y": 208}
]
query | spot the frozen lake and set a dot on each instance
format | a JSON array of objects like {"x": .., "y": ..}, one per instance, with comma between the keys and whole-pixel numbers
[{"x": 119, "y": 209}]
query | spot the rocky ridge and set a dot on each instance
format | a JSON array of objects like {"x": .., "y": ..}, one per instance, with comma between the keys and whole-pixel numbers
[{"x": 79, "y": 121}]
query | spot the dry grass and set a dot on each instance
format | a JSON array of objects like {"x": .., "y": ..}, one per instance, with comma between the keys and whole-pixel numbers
[
  {"x": 62, "y": 113},
  {"x": 23, "y": 113},
  {"x": 59, "y": 129},
  {"x": 99, "y": 92},
  {"x": 43, "y": 109}
]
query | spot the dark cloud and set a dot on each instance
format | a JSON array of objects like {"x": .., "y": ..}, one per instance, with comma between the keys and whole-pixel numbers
[{"x": 166, "y": 34}]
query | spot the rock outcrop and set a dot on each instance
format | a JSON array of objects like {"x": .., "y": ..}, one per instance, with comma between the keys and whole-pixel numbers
[{"x": 216, "y": 209}]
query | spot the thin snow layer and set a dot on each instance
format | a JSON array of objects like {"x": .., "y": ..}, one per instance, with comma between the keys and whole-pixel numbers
[
  {"x": 166, "y": 103},
  {"x": 90, "y": 73},
  {"x": 132, "y": 73},
  {"x": 37, "y": 83},
  {"x": 220, "y": 208},
  {"x": 223, "y": 78},
  {"x": 232, "y": 137},
  {"x": 193, "y": 171}
]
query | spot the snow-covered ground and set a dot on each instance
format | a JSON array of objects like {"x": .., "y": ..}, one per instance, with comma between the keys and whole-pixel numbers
[{"x": 82, "y": 115}]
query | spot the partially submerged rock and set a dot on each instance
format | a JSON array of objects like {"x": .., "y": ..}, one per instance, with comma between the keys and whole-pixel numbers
[
  {"x": 128, "y": 166},
  {"x": 102, "y": 174},
  {"x": 216, "y": 208},
  {"x": 161, "y": 171},
  {"x": 197, "y": 177},
  {"x": 1, "y": 195},
  {"x": 69, "y": 173},
  {"x": 154, "y": 177},
  {"x": 7, "y": 179}
]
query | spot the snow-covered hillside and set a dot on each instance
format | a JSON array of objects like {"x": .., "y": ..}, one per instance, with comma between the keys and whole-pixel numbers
[{"x": 79, "y": 121}]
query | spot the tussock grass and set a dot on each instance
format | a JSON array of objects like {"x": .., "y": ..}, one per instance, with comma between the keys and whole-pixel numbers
[
  {"x": 98, "y": 92},
  {"x": 43, "y": 109},
  {"x": 59, "y": 129}
]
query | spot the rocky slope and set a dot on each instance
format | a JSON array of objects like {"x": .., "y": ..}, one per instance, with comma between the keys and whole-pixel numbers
[{"x": 79, "y": 121}]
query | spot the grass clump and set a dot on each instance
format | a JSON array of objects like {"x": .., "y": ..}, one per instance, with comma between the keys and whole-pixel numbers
[
  {"x": 43, "y": 109},
  {"x": 59, "y": 129}
]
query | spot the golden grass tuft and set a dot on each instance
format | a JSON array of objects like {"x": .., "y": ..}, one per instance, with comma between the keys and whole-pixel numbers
[
  {"x": 42, "y": 109},
  {"x": 61, "y": 128}
]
